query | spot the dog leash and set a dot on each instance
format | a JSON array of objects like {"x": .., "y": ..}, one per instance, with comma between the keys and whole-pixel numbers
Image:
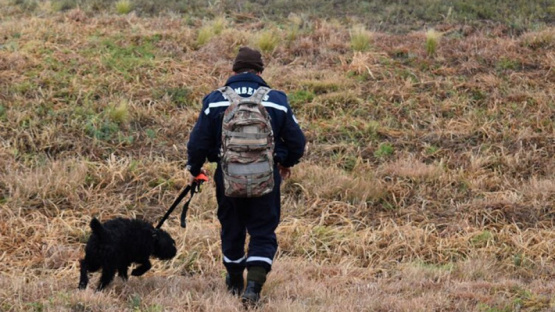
[{"x": 194, "y": 187}]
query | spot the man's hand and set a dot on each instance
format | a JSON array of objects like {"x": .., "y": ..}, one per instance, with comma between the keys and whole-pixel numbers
[
  {"x": 284, "y": 172},
  {"x": 203, "y": 174}
]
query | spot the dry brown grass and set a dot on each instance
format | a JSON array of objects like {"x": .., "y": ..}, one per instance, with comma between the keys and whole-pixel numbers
[{"x": 454, "y": 213}]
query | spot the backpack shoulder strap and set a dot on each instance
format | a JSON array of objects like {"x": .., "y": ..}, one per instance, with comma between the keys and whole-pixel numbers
[
  {"x": 259, "y": 94},
  {"x": 234, "y": 100},
  {"x": 258, "y": 97},
  {"x": 231, "y": 95}
]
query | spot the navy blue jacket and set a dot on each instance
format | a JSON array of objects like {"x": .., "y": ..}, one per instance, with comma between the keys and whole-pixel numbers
[{"x": 206, "y": 137}]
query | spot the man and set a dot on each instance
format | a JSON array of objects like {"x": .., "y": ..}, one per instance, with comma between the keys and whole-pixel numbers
[{"x": 257, "y": 216}]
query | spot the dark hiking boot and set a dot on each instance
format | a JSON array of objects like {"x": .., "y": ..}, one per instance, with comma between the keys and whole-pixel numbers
[
  {"x": 251, "y": 296},
  {"x": 234, "y": 283}
]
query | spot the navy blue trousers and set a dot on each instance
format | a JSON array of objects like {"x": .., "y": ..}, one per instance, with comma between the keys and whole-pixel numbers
[{"x": 259, "y": 217}]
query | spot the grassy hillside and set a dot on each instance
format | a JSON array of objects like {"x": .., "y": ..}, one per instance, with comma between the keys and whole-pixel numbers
[{"x": 428, "y": 183}]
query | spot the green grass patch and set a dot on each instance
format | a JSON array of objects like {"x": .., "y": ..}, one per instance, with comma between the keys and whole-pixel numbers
[
  {"x": 179, "y": 96},
  {"x": 119, "y": 113},
  {"x": 506, "y": 63},
  {"x": 64, "y": 5},
  {"x": 150, "y": 133},
  {"x": 10, "y": 46},
  {"x": 2, "y": 112},
  {"x": 344, "y": 129},
  {"x": 342, "y": 101},
  {"x": 384, "y": 150},
  {"x": 321, "y": 86},
  {"x": 347, "y": 162},
  {"x": 292, "y": 33},
  {"x": 109, "y": 124},
  {"x": 204, "y": 35},
  {"x": 123, "y": 7},
  {"x": 430, "y": 150},
  {"x": 432, "y": 42},
  {"x": 26, "y": 88},
  {"x": 102, "y": 130},
  {"x": 522, "y": 300},
  {"x": 126, "y": 57},
  {"x": 135, "y": 302},
  {"x": 300, "y": 97},
  {"x": 268, "y": 40},
  {"x": 317, "y": 110},
  {"x": 219, "y": 25},
  {"x": 482, "y": 239},
  {"x": 210, "y": 30}
]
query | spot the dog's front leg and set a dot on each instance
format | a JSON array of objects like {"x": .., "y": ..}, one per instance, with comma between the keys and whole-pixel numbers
[
  {"x": 84, "y": 278},
  {"x": 122, "y": 272},
  {"x": 142, "y": 268},
  {"x": 108, "y": 273}
]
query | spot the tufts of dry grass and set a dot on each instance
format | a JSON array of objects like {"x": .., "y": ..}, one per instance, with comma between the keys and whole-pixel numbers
[
  {"x": 360, "y": 39},
  {"x": 432, "y": 42}
]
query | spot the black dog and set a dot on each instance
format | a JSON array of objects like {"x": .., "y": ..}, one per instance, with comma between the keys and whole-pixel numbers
[{"x": 117, "y": 243}]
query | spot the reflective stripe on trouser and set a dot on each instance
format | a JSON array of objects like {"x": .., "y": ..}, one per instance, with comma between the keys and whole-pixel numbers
[{"x": 259, "y": 217}]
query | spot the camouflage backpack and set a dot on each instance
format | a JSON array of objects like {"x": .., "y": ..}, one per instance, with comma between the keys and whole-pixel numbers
[{"x": 247, "y": 153}]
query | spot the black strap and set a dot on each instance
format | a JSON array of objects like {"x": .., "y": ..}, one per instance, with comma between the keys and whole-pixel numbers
[
  {"x": 176, "y": 202},
  {"x": 186, "y": 205}
]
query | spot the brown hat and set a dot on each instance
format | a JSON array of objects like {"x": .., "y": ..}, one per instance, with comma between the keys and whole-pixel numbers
[{"x": 248, "y": 58}]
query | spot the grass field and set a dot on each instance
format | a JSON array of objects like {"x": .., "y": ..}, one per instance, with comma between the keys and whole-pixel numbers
[{"x": 428, "y": 183}]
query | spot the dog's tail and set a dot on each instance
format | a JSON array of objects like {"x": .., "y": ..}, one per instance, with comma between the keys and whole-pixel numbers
[{"x": 98, "y": 229}]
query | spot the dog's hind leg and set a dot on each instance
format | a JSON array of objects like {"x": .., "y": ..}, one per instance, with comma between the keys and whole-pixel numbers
[
  {"x": 142, "y": 268},
  {"x": 83, "y": 279},
  {"x": 108, "y": 273}
]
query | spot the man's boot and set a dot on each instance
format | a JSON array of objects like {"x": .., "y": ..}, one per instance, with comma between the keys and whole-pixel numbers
[
  {"x": 251, "y": 296},
  {"x": 234, "y": 283},
  {"x": 256, "y": 277}
]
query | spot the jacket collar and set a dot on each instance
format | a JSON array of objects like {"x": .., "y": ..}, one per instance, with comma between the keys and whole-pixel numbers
[{"x": 246, "y": 78}]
